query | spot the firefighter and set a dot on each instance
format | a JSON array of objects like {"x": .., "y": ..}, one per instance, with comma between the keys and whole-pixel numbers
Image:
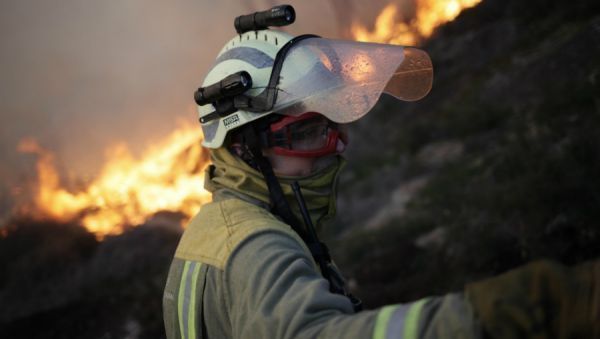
[{"x": 250, "y": 264}]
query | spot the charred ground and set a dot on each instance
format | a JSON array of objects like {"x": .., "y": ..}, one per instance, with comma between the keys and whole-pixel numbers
[{"x": 61, "y": 282}]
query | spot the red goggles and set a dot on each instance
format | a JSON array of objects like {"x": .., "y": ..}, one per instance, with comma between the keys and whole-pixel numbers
[{"x": 309, "y": 135}]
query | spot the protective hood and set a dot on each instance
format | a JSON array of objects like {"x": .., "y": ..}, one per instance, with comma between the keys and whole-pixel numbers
[{"x": 229, "y": 175}]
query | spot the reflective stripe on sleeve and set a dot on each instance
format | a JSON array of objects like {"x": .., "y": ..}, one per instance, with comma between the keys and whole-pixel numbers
[
  {"x": 411, "y": 327},
  {"x": 192, "y": 304},
  {"x": 180, "y": 298},
  {"x": 186, "y": 301},
  {"x": 399, "y": 321}
]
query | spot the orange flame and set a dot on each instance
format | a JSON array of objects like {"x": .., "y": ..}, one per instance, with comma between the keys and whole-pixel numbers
[
  {"x": 169, "y": 177},
  {"x": 429, "y": 15}
]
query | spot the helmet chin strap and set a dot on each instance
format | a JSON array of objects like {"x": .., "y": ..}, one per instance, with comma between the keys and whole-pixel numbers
[{"x": 252, "y": 153}]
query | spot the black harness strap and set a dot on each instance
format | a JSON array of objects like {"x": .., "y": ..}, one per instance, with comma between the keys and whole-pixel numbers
[{"x": 279, "y": 204}]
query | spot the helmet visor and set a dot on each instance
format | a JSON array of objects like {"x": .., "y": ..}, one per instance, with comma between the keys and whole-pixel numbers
[{"x": 344, "y": 79}]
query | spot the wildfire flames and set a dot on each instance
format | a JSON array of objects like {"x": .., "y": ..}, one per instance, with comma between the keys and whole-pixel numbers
[
  {"x": 169, "y": 177},
  {"x": 429, "y": 14}
]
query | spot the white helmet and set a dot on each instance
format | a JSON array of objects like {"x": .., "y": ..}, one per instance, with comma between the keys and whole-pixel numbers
[{"x": 342, "y": 80}]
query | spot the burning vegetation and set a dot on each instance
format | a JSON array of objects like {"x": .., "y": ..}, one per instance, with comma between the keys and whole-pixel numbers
[
  {"x": 168, "y": 177},
  {"x": 429, "y": 14}
]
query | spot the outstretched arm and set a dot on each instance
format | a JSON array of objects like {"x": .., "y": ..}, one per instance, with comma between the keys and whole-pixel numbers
[{"x": 275, "y": 291}]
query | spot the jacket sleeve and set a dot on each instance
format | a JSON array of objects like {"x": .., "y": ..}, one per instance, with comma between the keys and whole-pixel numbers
[{"x": 274, "y": 291}]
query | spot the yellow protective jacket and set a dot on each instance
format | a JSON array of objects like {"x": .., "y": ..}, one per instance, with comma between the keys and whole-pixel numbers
[{"x": 240, "y": 272}]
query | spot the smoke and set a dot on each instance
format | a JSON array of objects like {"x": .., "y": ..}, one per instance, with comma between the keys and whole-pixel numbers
[{"x": 79, "y": 76}]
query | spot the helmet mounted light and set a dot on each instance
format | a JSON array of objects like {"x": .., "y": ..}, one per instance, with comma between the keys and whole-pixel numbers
[
  {"x": 227, "y": 102},
  {"x": 231, "y": 86},
  {"x": 226, "y": 95},
  {"x": 282, "y": 15}
]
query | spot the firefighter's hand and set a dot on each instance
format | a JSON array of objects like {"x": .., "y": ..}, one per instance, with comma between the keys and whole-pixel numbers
[{"x": 541, "y": 300}]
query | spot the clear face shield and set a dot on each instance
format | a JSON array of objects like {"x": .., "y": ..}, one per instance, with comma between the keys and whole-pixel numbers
[{"x": 344, "y": 79}]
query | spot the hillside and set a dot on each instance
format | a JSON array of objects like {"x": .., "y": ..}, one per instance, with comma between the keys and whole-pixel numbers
[{"x": 496, "y": 167}]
